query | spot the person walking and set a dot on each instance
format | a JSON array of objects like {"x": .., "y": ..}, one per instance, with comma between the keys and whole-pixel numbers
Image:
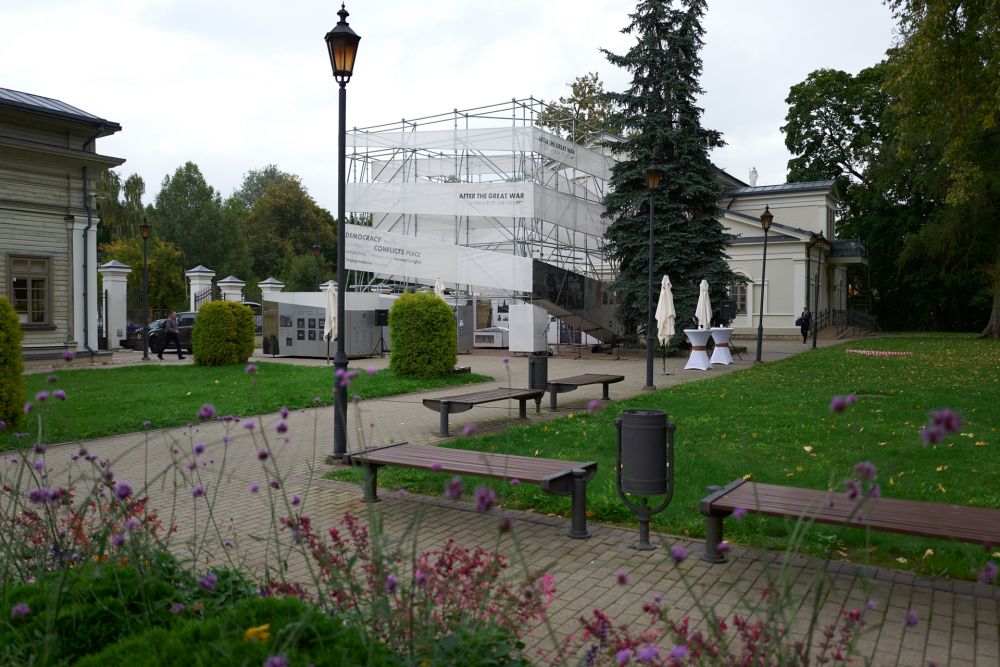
[
  {"x": 171, "y": 333},
  {"x": 804, "y": 322}
]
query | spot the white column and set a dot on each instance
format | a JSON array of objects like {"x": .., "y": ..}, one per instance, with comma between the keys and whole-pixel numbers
[
  {"x": 232, "y": 288},
  {"x": 115, "y": 278},
  {"x": 200, "y": 279},
  {"x": 83, "y": 261},
  {"x": 270, "y": 286},
  {"x": 800, "y": 282}
]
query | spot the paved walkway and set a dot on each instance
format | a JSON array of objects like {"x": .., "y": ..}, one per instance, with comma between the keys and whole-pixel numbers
[{"x": 958, "y": 620}]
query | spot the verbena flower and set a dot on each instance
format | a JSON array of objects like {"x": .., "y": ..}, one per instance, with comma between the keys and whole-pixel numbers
[
  {"x": 911, "y": 618},
  {"x": 27, "y": 408},
  {"x": 296, "y": 501},
  {"x": 176, "y": 608},
  {"x": 724, "y": 547},
  {"x": 199, "y": 448},
  {"x": 68, "y": 355},
  {"x": 198, "y": 491},
  {"x": 853, "y": 489},
  {"x": 117, "y": 540},
  {"x": 391, "y": 583},
  {"x": 40, "y": 496},
  {"x": 275, "y": 485},
  {"x": 284, "y": 413},
  {"x": 122, "y": 489},
  {"x": 989, "y": 573},
  {"x": 435, "y": 466},
  {"x": 207, "y": 412},
  {"x": 42, "y": 396},
  {"x": 250, "y": 369},
  {"x": 839, "y": 403},
  {"x": 680, "y": 653},
  {"x": 262, "y": 454},
  {"x": 59, "y": 394},
  {"x": 623, "y": 656},
  {"x": 372, "y": 370},
  {"x": 276, "y": 661},
  {"x": 678, "y": 554},
  {"x": 420, "y": 578},
  {"x": 594, "y": 404},
  {"x": 208, "y": 581},
  {"x": 947, "y": 419},
  {"x": 20, "y": 610},
  {"x": 281, "y": 427},
  {"x": 132, "y": 524},
  {"x": 621, "y": 576},
  {"x": 865, "y": 470},
  {"x": 485, "y": 498},
  {"x": 254, "y": 487},
  {"x": 739, "y": 512},
  {"x": 649, "y": 653},
  {"x": 453, "y": 488},
  {"x": 249, "y": 424}
]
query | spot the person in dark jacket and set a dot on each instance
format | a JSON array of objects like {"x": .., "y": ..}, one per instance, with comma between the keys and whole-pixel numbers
[
  {"x": 171, "y": 333},
  {"x": 804, "y": 321}
]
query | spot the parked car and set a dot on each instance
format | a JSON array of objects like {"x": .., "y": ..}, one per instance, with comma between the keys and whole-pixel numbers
[
  {"x": 158, "y": 336},
  {"x": 134, "y": 339}
]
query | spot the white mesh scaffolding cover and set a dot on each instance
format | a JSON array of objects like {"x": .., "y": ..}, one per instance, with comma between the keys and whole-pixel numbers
[{"x": 401, "y": 255}]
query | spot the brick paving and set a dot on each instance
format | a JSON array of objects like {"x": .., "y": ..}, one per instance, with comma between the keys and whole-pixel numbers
[{"x": 958, "y": 620}]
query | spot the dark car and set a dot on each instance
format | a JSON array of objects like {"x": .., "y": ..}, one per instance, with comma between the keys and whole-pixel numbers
[{"x": 158, "y": 336}]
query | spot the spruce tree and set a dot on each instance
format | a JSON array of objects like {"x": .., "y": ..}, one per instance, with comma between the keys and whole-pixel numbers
[{"x": 662, "y": 124}]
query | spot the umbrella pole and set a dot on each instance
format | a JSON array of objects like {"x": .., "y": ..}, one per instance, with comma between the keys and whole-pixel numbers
[{"x": 664, "y": 348}]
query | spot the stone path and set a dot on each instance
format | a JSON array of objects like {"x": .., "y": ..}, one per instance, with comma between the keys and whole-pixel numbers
[{"x": 958, "y": 620}]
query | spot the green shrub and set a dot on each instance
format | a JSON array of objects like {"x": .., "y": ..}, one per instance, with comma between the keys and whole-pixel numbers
[
  {"x": 11, "y": 366},
  {"x": 424, "y": 342},
  {"x": 223, "y": 334},
  {"x": 299, "y": 632}
]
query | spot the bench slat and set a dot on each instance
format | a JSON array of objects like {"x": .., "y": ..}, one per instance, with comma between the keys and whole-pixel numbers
[
  {"x": 589, "y": 378},
  {"x": 968, "y": 524}
]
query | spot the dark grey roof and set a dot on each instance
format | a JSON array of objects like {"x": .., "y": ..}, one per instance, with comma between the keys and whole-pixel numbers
[
  {"x": 46, "y": 106},
  {"x": 784, "y": 187},
  {"x": 776, "y": 225}
]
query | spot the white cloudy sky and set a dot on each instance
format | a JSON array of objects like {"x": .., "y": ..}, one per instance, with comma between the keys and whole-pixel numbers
[{"x": 236, "y": 84}]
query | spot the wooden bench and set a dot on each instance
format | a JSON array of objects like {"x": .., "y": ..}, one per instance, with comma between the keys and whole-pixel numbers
[
  {"x": 563, "y": 385},
  {"x": 562, "y": 478},
  {"x": 450, "y": 404},
  {"x": 978, "y": 525}
]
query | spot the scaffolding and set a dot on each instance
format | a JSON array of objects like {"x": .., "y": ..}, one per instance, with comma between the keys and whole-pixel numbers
[{"x": 489, "y": 178}]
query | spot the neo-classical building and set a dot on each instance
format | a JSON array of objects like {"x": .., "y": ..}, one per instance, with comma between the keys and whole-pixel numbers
[{"x": 49, "y": 165}]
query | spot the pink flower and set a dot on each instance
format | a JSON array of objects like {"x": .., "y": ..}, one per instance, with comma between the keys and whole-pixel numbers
[
  {"x": 468, "y": 429},
  {"x": 621, "y": 576},
  {"x": 435, "y": 466},
  {"x": 594, "y": 404},
  {"x": 739, "y": 512},
  {"x": 506, "y": 523},
  {"x": 453, "y": 488},
  {"x": 372, "y": 370},
  {"x": 420, "y": 578},
  {"x": 176, "y": 608}
]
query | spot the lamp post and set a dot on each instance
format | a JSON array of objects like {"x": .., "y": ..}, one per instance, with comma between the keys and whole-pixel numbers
[
  {"x": 653, "y": 175},
  {"x": 144, "y": 230},
  {"x": 342, "y": 46},
  {"x": 824, "y": 246},
  {"x": 316, "y": 251},
  {"x": 766, "y": 218}
]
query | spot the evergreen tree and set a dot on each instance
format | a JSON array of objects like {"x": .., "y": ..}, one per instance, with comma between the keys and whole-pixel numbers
[{"x": 662, "y": 125}]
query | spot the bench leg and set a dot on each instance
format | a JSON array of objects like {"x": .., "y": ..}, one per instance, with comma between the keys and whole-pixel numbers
[
  {"x": 538, "y": 405},
  {"x": 443, "y": 424},
  {"x": 578, "y": 522},
  {"x": 606, "y": 396},
  {"x": 713, "y": 537},
  {"x": 553, "y": 400},
  {"x": 522, "y": 410},
  {"x": 370, "y": 484}
]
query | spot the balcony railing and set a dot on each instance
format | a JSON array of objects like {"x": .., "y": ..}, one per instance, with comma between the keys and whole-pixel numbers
[{"x": 848, "y": 248}]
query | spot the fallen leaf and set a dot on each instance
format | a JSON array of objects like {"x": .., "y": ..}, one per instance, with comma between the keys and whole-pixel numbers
[
  {"x": 942, "y": 489},
  {"x": 927, "y": 554},
  {"x": 799, "y": 469},
  {"x": 902, "y": 560},
  {"x": 941, "y": 468},
  {"x": 748, "y": 475},
  {"x": 981, "y": 443},
  {"x": 808, "y": 448},
  {"x": 892, "y": 482}
]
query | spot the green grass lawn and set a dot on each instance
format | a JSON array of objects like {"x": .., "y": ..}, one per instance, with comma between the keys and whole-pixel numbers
[
  {"x": 110, "y": 401},
  {"x": 773, "y": 422}
]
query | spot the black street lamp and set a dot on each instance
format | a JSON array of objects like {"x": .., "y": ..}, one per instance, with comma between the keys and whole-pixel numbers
[
  {"x": 653, "y": 175},
  {"x": 766, "y": 218},
  {"x": 342, "y": 45},
  {"x": 824, "y": 246},
  {"x": 316, "y": 251},
  {"x": 144, "y": 230}
]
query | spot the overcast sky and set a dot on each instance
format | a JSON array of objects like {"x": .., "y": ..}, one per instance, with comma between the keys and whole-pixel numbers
[{"x": 234, "y": 85}]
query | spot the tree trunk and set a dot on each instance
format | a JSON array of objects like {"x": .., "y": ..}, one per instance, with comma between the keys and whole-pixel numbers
[{"x": 992, "y": 329}]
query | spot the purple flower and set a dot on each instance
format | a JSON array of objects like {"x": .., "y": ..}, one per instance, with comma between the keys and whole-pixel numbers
[
  {"x": 838, "y": 404},
  {"x": 208, "y": 581},
  {"x": 911, "y": 618},
  {"x": 3, "y": 424},
  {"x": 678, "y": 554},
  {"x": 122, "y": 490},
  {"x": 199, "y": 448},
  {"x": 623, "y": 656},
  {"x": 865, "y": 470},
  {"x": 27, "y": 408},
  {"x": 739, "y": 512},
  {"x": 989, "y": 573},
  {"x": 146, "y": 423},
  {"x": 275, "y": 485},
  {"x": 207, "y": 412},
  {"x": 60, "y": 394},
  {"x": 453, "y": 488},
  {"x": 514, "y": 481},
  {"x": 853, "y": 489},
  {"x": 176, "y": 608},
  {"x": 39, "y": 464},
  {"x": 276, "y": 661},
  {"x": 250, "y": 369},
  {"x": 874, "y": 491},
  {"x": 198, "y": 491},
  {"x": 594, "y": 404},
  {"x": 947, "y": 420},
  {"x": 262, "y": 454},
  {"x": 284, "y": 413},
  {"x": 281, "y": 427},
  {"x": 52, "y": 379},
  {"x": 723, "y": 547},
  {"x": 132, "y": 524},
  {"x": 371, "y": 370},
  {"x": 485, "y": 498},
  {"x": 506, "y": 360},
  {"x": 932, "y": 435},
  {"x": 506, "y": 523},
  {"x": 649, "y": 653},
  {"x": 68, "y": 355},
  {"x": 621, "y": 576},
  {"x": 296, "y": 501},
  {"x": 657, "y": 598},
  {"x": 435, "y": 466},
  {"x": 391, "y": 583},
  {"x": 117, "y": 540},
  {"x": 254, "y": 488},
  {"x": 468, "y": 429},
  {"x": 249, "y": 424},
  {"x": 40, "y": 496},
  {"x": 680, "y": 653},
  {"x": 42, "y": 396},
  {"x": 420, "y": 578},
  {"x": 20, "y": 610}
]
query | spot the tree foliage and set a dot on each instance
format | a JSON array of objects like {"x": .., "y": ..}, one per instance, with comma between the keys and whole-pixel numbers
[
  {"x": 587, "y": 111},
  {"x": 12, "y": 391},
  {"x": 662, "y": 124},
  {"x": 167, "y": 290},
  {"x": 424, "y": 342},
  {"x": 119, "y": 206}
]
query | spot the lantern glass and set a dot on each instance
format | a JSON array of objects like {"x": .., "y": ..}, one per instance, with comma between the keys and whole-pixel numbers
[
  {"x": 144, "y": 229},
  {"x": 653, "y": 175},
  {"x": 766, "y": 218},
  {"x": 342, "y": 45}
]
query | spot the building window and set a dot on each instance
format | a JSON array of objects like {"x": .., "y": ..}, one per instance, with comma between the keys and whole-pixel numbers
[
  {"x": 29, "y": 290},
  {"x": 738, "y": 293}
]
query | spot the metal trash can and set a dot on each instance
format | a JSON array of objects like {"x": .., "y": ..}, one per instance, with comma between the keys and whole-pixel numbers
[
  {"x": 538, "y": 372},
  {"x": 643, "y": 437}
]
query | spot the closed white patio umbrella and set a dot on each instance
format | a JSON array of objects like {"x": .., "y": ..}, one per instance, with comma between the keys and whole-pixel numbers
[
  {"x": 703, "y": 311},
  {"x": 439, "y": 288},
  {"x": 665, "y": 313},
  {"x": 331, "y": 312}
]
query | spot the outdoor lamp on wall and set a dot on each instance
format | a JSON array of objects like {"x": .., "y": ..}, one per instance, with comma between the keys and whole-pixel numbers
[
  {"x": 144, "y": 229},
  {"x": 342, "y": 46},
  {"x": 766, "y": 218},
  {"x": 654, "y": 173}
]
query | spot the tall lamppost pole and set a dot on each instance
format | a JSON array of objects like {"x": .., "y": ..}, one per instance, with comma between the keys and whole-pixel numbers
[
  {"x": 144, "y": 230},
  {"x": 342, "y": 46},
  {"x": 316, "y": 251},
  {"x": 653, "y": 175},
  {"x": 766, "y": 218},
  {"x": 824, "y": 246}
]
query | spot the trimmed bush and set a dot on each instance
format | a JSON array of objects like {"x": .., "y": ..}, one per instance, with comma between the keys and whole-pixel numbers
[
  {"x": 223, "y": 334},
  {"x": 296, "y": 631},
  {"x": 12, "y": 396},
  {"x": 424, "y": 342}
]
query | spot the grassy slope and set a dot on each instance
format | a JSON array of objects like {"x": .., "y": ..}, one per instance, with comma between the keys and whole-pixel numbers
[{"x": 760, "y": 422}]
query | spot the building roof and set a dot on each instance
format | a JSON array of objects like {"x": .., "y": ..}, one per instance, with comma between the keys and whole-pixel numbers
[
  {"x": 46, "y": 106},
  {"x": 784, "y": 187}
]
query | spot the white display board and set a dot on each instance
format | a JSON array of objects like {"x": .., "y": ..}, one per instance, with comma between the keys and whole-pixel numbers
[{"x": 528, "y": 326}]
